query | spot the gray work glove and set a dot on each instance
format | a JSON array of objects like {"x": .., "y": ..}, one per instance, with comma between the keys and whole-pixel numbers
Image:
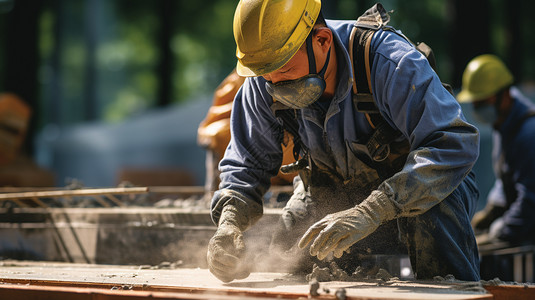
[
  {"x": 296, "y": 208},
  {"x": 291, "y": 225},
  {"x": 338, "y": 231},
  {"x": 226, "y": 248}
]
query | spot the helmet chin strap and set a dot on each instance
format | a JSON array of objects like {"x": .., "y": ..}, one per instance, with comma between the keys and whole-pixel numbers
[{"x": 312, "y": 58}]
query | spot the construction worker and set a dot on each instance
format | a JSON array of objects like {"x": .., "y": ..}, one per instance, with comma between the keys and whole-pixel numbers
[
  {"x": 508, "y": 214},
  {"x": 356, "y": 201}
]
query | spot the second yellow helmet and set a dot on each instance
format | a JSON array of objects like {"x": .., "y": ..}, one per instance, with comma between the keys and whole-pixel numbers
[{"x": 484, "y": 76}]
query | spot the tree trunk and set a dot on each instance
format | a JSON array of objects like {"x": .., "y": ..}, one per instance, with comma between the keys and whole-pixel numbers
[{"x": 22, "y": 57}]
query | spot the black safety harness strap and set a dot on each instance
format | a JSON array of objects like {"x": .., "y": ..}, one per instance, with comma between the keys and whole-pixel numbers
[
  {"x": 378, "y": 145},
  {"x": 377, "y": 148},
  {"x": 303, "y": 164}
]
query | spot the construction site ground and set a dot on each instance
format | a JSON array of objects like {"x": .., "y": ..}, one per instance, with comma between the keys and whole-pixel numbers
[{"x": 115, "y": 246}]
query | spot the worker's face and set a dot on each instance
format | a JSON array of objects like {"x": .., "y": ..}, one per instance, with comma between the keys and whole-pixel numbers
[
  {"x": 295, "y": 84},
  {"x": 296, "y": 68}
]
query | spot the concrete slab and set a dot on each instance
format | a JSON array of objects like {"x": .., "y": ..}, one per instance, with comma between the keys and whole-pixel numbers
[{"x": 197, "y": 281}]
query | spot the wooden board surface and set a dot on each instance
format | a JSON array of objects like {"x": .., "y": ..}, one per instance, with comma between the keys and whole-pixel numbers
[{"x": 196, "y": 281}]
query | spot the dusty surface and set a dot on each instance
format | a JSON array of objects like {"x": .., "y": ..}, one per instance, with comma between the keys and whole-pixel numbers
[{"x": 147, "y": 277}]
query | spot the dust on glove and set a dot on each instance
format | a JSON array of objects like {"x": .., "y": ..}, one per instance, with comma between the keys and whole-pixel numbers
[
  {"x": 226, "y": 249},
  {"x": 338, "y": 231}
]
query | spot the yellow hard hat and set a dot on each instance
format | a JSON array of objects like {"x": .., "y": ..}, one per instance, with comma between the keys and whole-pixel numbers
[
  {"x": 484, "y": 76},
  {"x": 268, "y": 33}
]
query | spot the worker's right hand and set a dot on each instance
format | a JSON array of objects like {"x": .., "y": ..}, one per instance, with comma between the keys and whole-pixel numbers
[
  {"x": 338, "y": 231},
  {"x": 226, "y": 250}
]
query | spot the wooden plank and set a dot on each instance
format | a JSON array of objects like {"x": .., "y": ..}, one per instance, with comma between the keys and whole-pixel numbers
[
  {"x": 70, "y": 291},
  {"x": 18, "y": 292},
  {"x": 512, "y": 292}
]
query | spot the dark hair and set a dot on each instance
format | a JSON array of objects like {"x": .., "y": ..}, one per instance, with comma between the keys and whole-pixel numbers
[{"x": 320, "y": 20}]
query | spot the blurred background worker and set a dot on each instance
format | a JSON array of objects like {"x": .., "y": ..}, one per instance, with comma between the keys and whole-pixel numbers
[
  {"x": 14, "y": 119},
  {"x": 510, "y": 209},
  {"x": 16, "y": 168}
]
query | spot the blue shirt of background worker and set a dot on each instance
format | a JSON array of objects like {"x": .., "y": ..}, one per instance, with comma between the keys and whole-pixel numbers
[{"x": 508, "y": 214}]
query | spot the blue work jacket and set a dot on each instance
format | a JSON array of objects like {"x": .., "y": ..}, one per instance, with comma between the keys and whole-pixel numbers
[
  {"x": 518, "y": 150},
  {"x": 409, "y": 95}
]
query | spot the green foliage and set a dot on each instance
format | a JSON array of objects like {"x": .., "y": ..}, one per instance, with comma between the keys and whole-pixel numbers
[
  {"x": 128, "y": 52},
  {"x": 203, "y": 47},
  {"x": 426, "y": 21},
  {"x": 46, "y": 27},
  {"x": 124, "y": 69},
  {"x": 127, "y": 59}
]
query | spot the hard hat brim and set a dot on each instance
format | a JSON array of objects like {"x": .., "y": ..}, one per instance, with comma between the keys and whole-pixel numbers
[
  {"x": 244, "y": 71},
  {"x": 465, "y": 97}
]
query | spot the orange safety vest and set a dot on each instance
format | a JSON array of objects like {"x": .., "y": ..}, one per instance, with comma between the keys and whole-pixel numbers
[{"x": 14, "y": 121}]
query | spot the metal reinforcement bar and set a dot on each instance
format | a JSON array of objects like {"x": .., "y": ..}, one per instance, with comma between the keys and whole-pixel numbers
[
  {"x": 183, "y": 190},
  {"x": 73, "y": 193},
  {"x": 24, "y": 196},
  {"x": 98, "y": 195}
]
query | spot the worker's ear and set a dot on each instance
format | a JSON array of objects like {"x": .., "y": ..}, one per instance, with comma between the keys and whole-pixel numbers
[{"x": 324, "y": 38}]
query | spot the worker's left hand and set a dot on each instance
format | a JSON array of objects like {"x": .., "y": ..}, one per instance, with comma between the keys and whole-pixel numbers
[
  {"x": 226, "y": 249},
  {"x": 226, "y": 254},
  {"x": 339, "y": 231}
]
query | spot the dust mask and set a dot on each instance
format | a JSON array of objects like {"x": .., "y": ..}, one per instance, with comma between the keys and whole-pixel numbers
[{"x": 301, "y": 92}]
